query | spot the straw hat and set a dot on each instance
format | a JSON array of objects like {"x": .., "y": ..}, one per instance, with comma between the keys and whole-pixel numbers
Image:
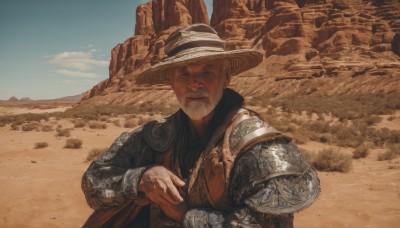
[{"x": 193, "y": 44}]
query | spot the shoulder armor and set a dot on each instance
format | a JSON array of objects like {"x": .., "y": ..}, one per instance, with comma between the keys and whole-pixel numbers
[
  {"x": 274, "y": 177},
  {"x": 160, "y": 134},
  {"x": 248, "y": 130}
]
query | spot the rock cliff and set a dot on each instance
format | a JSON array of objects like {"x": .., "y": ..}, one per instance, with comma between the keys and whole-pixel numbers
[
  {"x": 310, "y": 46},
  {"x": 155, "y": 20}
]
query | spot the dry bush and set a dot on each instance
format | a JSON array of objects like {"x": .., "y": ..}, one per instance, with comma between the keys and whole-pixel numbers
[
  {"x": 63, "y": 132},
  {"x": 346, "y": 136},
  {"x": 350, "y": 106},
  {"x": 361, "y": 152},
  {"x": 142, "y": 120},
  {"x": 94, "y": 153},
  {"x": 116, "y": 123},
  {"x": 97, "y": 125},
  {"x": 384, "y": 135},
  {"x": 310, "y": 155},
  {"x": 40, "y": 145},
  {"x": 2, "y": 124},
  {"x": 392, "y": 152},
  {"x": 391, "y": 118},
  {"x": 14, "y": 127},
  {"x": 47, "y": 128},
  {"x": 333, "y": 160},
  {"x": 79, "y": 123},
  {"x": 103, "y": 118},
  {"x": 73, "y": 143},
  {"x": 130, "y": 123},
  {"x": 30, "y": 126}
]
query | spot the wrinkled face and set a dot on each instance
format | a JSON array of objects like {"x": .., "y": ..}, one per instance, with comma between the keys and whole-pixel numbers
[{"x": 199, "y": 87}]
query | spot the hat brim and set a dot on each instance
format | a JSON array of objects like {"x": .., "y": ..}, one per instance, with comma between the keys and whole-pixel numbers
[{"x": 240, "y": 61}]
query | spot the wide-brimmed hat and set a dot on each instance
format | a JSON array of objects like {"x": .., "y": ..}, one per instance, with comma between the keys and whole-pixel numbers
[{"x": 195, "y": 44}]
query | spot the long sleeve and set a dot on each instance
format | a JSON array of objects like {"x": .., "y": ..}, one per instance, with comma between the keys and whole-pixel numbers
[
  {"x": 269, "y": 182},
  {"x": 113, "y": 177}
]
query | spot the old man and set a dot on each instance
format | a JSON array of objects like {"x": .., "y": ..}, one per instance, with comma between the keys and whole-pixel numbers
[{"x": 212, "y": 163}]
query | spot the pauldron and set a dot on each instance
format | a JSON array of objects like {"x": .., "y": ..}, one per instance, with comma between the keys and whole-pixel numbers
[
  {"x": 274, "y": 178},
  {"x": 269, "y": 175},
  {"x": 160, "y": 134},
  {"x": 248, "y": 130}
]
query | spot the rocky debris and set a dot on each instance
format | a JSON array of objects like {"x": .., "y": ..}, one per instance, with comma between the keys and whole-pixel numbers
[{"x": 310, "y": 46}]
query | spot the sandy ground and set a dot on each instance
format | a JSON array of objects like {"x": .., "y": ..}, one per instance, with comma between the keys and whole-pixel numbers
[{"x": 41, "y": 187}]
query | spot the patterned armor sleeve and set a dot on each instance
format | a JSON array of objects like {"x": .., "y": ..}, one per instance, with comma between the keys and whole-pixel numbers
[
  {"x": 269, "y": 183},
  {"x": 110, "y": 179},
  {"x": 270, "y": 180}
]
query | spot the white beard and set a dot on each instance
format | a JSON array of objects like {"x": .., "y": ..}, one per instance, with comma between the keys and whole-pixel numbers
[{"x": 197, "y": 110}]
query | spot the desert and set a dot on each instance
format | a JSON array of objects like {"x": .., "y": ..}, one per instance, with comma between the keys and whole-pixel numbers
[
  {"x": 330, "y": 80},
  {"x": 41, "y": 186}
]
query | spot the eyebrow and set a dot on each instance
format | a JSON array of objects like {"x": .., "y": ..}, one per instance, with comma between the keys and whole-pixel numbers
[{"x": 209, "y": 65}]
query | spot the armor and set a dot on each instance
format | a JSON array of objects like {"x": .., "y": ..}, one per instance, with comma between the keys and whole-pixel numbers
[
  {"x": 160, "y": 135},
  {"x": 250, "y": 174}
]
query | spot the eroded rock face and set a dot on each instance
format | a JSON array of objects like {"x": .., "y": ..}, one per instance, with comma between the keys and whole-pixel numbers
[
  {"x": 155, "y": 20},
  {"x": 310, "y": 46}
]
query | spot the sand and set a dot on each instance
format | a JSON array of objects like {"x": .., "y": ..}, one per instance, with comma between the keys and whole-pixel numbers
[{"x": 41, "y": 187}]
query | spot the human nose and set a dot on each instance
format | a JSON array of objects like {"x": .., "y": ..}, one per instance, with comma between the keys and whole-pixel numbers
[{"x": 194, "y": 82}]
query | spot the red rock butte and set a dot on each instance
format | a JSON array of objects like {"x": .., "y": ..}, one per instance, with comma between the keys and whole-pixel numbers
[{"x": 311, "y": 47}]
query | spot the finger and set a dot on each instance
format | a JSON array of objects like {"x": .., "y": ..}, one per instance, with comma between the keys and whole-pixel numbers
[
  {"x": 161, "y": 200},
  {"x": 176, "y": 180},
  {"x": 174, "y": 196}
]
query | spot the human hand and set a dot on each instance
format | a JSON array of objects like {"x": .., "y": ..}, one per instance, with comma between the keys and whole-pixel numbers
[
  {"x": 175, "y": 212},
  {"x": 161, "y": 186}
]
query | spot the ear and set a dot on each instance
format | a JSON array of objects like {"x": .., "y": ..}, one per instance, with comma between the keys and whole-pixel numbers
[{"x": 227, "y": 78}]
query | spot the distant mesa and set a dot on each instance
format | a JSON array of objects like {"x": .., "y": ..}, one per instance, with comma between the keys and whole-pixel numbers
[
  {"x": 13, "y": 98},
  {"x": 25, "y": 99}
]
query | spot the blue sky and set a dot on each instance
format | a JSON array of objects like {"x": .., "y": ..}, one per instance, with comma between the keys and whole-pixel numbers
[{"x": 55, "y": 48}]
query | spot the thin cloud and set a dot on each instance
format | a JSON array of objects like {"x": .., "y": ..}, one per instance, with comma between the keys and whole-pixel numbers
[
  {"x": 76, "y": 74},
  {"x": 82, "y": 61}
]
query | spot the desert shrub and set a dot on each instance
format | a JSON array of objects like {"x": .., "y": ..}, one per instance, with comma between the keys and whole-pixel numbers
[
  {"x": 30, "y": 126},
  {"x": 40, "y": 145},
  {"x": 63, "y": 132},
  {"x": 79, "y": 123},
  {"x": 373, "y": 119},
  {"x": 392, "y": 152},
  {"x": 333, "y": 160},
  {"x": 103, "y": 118},
  {"x": 97, "y": 125},
  {"x": 2, "y": 124},
  {"x": 14, "y": 127},
  {"x": 360, "y": 152},
  {"x": 317, "y": 126},
  {"x": 380, "y": 136},
  {"x": 73, "y": 143},
  {"x": 142, "y": 120},
  {"x": 309, "y": 155},
  {"x": 94, "y": 153},
  {"x": 391, "y": 118},
  {"x": 116, "y": 123},
  {"x": 130, "y": 123},
  {"x": 346, "y": 136},
  {"x": 350, "y": 106},
  {"x": 23, "y": 118},
  {"x": 46, "y": 128},
  {"x": 394, "y": 137}
]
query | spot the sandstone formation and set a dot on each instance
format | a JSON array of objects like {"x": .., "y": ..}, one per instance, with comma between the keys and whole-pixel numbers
[
  {"x": 310, "y": 46},
  {"x": 155, "y": 20}
]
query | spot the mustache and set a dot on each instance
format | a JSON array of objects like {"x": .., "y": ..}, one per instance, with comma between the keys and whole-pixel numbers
[{"x": 197, "y": 93}]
